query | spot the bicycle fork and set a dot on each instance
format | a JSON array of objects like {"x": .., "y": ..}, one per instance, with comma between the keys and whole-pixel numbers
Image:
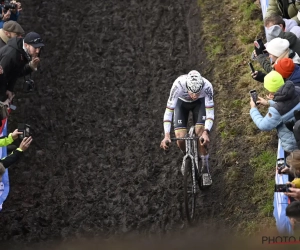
[{"x": 194, "y": 161}]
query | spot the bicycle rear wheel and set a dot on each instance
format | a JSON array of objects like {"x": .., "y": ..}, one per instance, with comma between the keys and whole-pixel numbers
[{"x": 189, "y": 191}]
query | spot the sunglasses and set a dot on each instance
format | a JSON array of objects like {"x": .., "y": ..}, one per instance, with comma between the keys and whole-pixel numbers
[{"x": 35, "y": 41}]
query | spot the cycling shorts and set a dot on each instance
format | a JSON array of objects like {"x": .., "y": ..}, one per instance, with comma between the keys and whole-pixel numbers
[{"x": 182, "y": 110}]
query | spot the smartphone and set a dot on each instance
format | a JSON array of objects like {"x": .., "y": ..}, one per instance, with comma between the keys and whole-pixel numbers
[
  {"x": 259, "y": 44},
  {"x": 280, "y": 165},
  {"x": 253, "y": 95},
  {"x": 25, "y": 129},
  {"x": 12, "y": 107},
  {"x": 282, "y": 187},
  {"x": 251, "y": 67}
]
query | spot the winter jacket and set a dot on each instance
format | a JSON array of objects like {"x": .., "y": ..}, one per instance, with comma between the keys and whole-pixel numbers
[
  {"x": 12, "y": 158},
  {"x": 281, "y": 110},
  {"x": 14, "y": 61},
  {"x": 285, "y": 8},
  {"x": 295, "y": 76}
]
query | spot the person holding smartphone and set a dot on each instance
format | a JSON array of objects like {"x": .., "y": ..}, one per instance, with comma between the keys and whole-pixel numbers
[
  {"x": 282, "y": 100},
  {"x": 15, "y": 155}
]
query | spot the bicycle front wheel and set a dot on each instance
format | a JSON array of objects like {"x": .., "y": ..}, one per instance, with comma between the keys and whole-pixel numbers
[{"x": 189, "y": 191}]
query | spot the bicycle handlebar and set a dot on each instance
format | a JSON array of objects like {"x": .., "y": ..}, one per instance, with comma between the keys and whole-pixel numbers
[{"x": 187, "y": 138}]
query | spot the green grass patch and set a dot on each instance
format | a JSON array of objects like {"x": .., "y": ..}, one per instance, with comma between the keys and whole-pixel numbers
[
  {"x": 228, "y": 30},
  {"x": 263, "y": 188}
]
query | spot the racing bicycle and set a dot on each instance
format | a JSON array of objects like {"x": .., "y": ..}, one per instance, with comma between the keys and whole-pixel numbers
[{"x": 192, "y": 170}]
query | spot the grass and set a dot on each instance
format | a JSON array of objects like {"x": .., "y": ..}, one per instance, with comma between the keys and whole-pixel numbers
[
  {"x": 264, "y": 168},
  {"x": 247, "y": 155}
]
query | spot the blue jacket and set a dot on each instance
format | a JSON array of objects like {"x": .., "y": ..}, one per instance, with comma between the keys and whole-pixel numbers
[
  {"x": 295, "y": 76},
  {"x": 281, "y": 110}
]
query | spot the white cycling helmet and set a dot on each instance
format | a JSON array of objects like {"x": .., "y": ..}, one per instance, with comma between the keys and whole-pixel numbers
[{"x": 194, "y": 82}]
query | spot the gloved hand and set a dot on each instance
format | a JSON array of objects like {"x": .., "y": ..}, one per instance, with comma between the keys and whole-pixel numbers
[{"x": 258, "y": 76}]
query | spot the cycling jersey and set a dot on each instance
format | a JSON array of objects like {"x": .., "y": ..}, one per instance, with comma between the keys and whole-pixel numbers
[{"x": 179, "y": 91}]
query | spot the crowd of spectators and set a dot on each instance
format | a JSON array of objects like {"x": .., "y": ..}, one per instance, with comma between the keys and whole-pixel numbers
[
  {"x": 19, "y": 57},
  {"x": 279, "y": 58}
]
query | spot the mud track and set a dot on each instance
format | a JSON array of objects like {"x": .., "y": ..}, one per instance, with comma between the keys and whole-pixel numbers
[{"x": 95, "y": 167}]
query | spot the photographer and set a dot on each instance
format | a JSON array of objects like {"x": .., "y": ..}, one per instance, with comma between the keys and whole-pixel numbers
[
  {"x": 9, "y": 11},
  {"x": 278, "y": 48},
  {"x": 15, "y": 155},
  {"x": 282, "y": 101}
]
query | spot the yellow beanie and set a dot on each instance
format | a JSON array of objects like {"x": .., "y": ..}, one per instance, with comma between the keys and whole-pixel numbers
[
  {"x": 273, "y": 81},
  {"x": 296, "y": 181}
]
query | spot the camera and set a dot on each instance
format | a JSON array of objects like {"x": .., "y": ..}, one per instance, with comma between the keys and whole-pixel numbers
[
  {"x": 25, "y": 129},
  {"x": 280, "y": 165},
  {"x": 6, "y": 5},
  {"x": 29, "y": 86},
  {"x": 282, "y": 187},
  {"x": 253, "y": 94}
]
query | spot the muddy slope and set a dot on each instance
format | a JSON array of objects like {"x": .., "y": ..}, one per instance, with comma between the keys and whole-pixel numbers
[{"x": 95, "y": 166}]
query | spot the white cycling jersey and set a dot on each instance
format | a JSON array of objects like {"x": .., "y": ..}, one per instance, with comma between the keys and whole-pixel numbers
[{"x": 180, "y": 91}]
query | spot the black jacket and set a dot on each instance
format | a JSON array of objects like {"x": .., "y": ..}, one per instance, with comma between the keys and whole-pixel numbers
[
  {"x": 14, "y": 61},
  {"x": 286, "y": 98},
  {"x": 2, "y": 43},
  {"x": 12, "y": 158}
]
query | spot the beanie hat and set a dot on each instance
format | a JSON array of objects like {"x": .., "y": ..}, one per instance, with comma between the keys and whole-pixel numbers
[
  {"x": 285, "y": 67},
  {"x": 273, "y": 81},
  {"x": 277, "y": 46}
]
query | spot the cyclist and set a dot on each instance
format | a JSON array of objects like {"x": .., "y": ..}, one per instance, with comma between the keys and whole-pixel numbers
[{"x": 194, "y": 93}]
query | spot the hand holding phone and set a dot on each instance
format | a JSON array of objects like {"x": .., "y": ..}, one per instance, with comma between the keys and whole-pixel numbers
[
  {"x": 253, "y": 94},
  {"x": 284, "y": 188},
  {"x": 259, "y": 47}
]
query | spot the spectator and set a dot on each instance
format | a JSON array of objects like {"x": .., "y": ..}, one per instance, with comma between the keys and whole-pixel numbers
[
  {"x": 15, "y": 13},
  {"x": 288, "y": 70},
  {"x": 14, "y": 156},
  {"x": 276, "y": 31},
  {"x": 287, "y": 25},
  {"x": 18, "y": 58},
  {"x": 10, "y": 13},
  {"x": 10, "y": 29},
  {"x": 286, "y": 9},
  {"x": 278, "y": 48},
  {"x": 293, "y": 212},
  {"x": 283, "y": 100}
]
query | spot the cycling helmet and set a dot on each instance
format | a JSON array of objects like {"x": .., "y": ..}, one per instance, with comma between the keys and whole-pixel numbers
[{"x": 194, "y": 81}]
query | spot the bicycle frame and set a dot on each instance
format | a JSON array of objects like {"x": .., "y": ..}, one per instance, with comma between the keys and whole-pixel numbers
[{"x": 191, "y": 146}]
